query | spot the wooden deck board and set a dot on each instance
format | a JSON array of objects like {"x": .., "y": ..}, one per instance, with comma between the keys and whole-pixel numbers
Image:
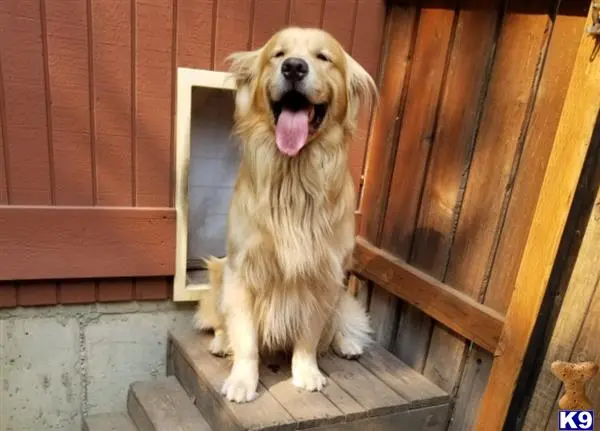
[
  {"x": 162, "y": 404},
  {"x": 263, "y": 413},
  {"x": 432, "y": 418},
  {"x": 374, "y": 395},
  {"x": 370, "y": 392},
  {"x": 308, "y": 408},
  {"x": 406, "y": 382}
]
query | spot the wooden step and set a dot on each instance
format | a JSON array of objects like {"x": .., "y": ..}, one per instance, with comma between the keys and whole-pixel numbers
[
  {"x": 163, "y": 405},
  {"x": 378, "y": 391},
  {"x": 108, "y": 422}
]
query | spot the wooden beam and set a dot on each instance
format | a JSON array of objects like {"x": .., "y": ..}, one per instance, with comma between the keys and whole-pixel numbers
[
  {"x": 578, "y": 119},
  {"x": 445, "y": 304},
  {"x": 62, "y": 242},
  {"x": 575, "y": 310}
]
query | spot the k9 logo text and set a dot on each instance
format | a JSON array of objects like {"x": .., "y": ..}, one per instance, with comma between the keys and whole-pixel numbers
[{"x": 569, "y": 420}]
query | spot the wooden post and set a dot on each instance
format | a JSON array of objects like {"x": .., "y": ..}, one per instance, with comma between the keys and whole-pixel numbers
[
  {"x": 576, "y": 314},
  {"x": 569, "y": 150}
]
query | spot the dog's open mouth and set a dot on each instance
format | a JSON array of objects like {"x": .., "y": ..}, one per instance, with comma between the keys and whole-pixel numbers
[{"x": 296, "y": 119}]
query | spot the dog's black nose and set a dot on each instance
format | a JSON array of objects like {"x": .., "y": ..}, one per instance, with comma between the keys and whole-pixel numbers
[{"x": 294, "y": 69}]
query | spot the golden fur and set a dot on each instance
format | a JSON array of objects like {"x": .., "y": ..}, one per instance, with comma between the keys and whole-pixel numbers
[{"x": 291, "y": 220}]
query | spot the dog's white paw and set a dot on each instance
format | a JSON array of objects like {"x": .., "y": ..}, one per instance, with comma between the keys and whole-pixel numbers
[
  {"x": 219, "y": 346},
  {"x": 306, "y": 375},
  {"x": 241, "y": 385},
  {"x": 346, "y": 347}
]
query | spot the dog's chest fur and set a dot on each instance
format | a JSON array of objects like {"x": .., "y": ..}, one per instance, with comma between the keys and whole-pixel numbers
[
  {"x": 291, "y": 231},
  {"x": 306, "y": 199}
]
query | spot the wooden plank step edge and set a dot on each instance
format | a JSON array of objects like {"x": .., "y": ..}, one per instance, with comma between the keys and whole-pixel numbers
[
  {"x": 414, "y": 387},
  {"x": 219, "y": 413},
  {"x": 163, "y": 405},
  {"x": 377, "y": 384},
  {"x": 310, "y": 409},
  {"x": 367, "y": 389},
  {"x": 353, "y": 392},
  {"x": 108, "y": 422},
  {"x": 432, "y": 418}
]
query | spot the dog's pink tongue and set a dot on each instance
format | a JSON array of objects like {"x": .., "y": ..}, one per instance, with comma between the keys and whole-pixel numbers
[{"x": 292, "y": 131}]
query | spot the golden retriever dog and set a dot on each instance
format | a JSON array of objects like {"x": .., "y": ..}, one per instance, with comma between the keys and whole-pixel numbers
[{"x": 291, "y": 219}]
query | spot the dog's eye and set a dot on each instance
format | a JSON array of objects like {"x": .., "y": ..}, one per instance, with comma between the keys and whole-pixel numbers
[
  {"x": 322, "y": 57},
  {"x": 279, "y": 54}
]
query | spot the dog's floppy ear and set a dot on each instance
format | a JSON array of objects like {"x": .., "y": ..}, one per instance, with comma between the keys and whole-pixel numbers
[
  {"x": 243, "y": 65},
  {"x": 362, "y": 87},
  {"x": 244, "y": 68}
]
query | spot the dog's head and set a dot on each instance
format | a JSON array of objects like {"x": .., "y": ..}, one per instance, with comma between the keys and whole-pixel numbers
[{"x": 299, "y": 86}]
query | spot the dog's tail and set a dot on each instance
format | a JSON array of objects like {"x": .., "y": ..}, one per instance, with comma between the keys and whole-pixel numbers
[{"x": 215, "y": 267}]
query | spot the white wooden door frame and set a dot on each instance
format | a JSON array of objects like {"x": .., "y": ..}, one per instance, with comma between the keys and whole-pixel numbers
[{"x": 186, "y": 80}]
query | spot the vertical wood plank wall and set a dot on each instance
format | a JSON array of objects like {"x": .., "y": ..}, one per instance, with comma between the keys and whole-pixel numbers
[
  {"x": 472, "y": 93},
  {"x": 87, "y": 102}
]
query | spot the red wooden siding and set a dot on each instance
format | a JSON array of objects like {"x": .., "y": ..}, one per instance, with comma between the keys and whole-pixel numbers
[
  {"x": 232, "y": 30},
  {"x": 153, "y": 90},
  {"x": 194, "y": 36},
  {"x": 306, "y": 13},
  {"x": 69, "y": 89},
  {"x": 28, "y": 148},
  {"x": 87, "y": 105},
  {"x": 24, "y": 70},
  {"x": 111, "y": 48},
  {"x": 82, "y": 242},
  {"x": 268, "y": 16}
]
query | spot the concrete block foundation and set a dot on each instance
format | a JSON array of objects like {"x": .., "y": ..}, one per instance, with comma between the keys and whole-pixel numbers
[{"x": 60, "y": 363}]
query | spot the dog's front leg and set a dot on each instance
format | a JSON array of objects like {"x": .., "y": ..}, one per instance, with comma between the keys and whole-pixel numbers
[
  {"x": 242, "y": 382},
  {"x": 305, "y": 371}
]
